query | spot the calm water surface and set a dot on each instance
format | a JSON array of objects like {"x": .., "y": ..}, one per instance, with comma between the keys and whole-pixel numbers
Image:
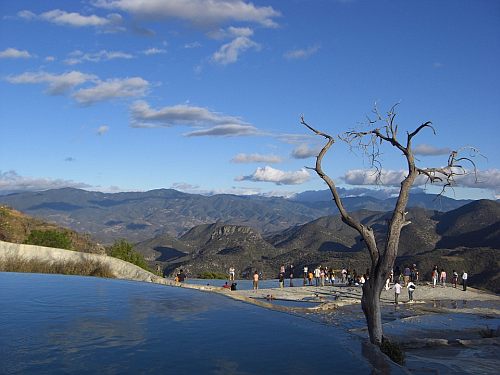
[{"x": 67, "y": 324}]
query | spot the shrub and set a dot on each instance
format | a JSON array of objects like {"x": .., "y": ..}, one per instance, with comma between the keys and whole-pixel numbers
[
  {"x": 49, "y": 238},
  {"x": 123, "y": 250},
  {"x": 87, "y": 268},
  {"x": 393, "y": 351},
  {"x": 213, "y": 275}
]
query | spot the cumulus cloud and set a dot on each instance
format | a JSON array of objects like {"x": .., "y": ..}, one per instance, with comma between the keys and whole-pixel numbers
[
  {"x": 230, "y": 52},
  {"x": 427, "y": 150},
  {"x": 111, "y": 23},
  {"x": 227, "y": 130},
  {"x": 182, "y": 114},
  {"x": 486, "y": 179},
  {"x": 57, "y": 83},
  {"x": 269, "y": 174},
  {"x": 256, "y": 158},
  {"x": 112, "y": 89},
  {"x": 102, "y": 130},
  {"x": 13, "y": 53},
  {"x": 369, "y": 177},
  {"x": 301, "y": 53},
  {"x": 197, "y": 12},
  {"x": 303, "y": 151},
  {"x": 10, "y": 181},
  {"x": 78, "y": 57}
]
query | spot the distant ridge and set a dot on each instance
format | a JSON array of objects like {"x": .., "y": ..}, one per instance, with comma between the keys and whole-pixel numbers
[{"x": 138, "y": 216}]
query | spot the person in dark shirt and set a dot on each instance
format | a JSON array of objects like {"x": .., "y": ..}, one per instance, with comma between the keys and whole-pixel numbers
[{"x": 181, "y": 276}]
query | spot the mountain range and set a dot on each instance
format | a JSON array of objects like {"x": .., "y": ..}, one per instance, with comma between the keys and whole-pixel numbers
[{"x": 138, "y": 216}]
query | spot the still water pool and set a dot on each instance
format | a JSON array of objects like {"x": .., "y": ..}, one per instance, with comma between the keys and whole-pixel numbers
[{"x": 52, "y": 324}]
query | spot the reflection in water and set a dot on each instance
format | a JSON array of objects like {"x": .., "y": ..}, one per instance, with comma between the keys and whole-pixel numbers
[{"x": 60, "y": 324}]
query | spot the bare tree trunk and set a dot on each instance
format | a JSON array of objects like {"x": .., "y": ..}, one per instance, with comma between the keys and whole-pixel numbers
[{"x": 370, "y": 303}]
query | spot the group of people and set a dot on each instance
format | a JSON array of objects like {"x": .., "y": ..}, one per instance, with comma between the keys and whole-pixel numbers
[
  {"x": 321, "y": 275},
  {"x": 439, "y": 275},
  {"x": 409, "y": 277}
]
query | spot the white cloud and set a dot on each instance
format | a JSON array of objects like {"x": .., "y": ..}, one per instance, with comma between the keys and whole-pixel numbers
[
  {"x": 102, "y": 130},
  {"x": 369, "y": 177},
  {"x": 112, "y": 89},
  {"x": 26, "y": 14},
  {"x": 77, "y": 57},
  {"x": 145, "y": 116},
  {"x": 427, "y": 150},
  {"x": 227, "y": 130},
  {"x": 50, "y": 59},
  {"x": 229, "y": 52},
  {"x": 256, "y": 158},
  {"x": 154, "y": 51},
  {"x": 486, "y": 179},
  {"x": 198, "y": 12},
  {"x": 11, "y": 181},
  {"x": 57, "y": 84},
  {"x": 13, "y": 53},
  {"x": 110, "y": 23},
  {"x": 301, "y": 53},
  {"x": 61, "y": 17},
  {"x": 269, "y": 174},
  {"x": 303, "y": 151}
]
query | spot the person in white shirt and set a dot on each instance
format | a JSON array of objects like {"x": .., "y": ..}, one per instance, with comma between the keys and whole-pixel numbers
[
  {"x": 464, "y": 280},
  {"x": 397, "y": 291}
]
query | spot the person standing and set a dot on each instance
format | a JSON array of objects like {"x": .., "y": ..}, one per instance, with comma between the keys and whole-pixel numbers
[
  {"x": 443, "y": 277},
  {"x": 255, "y": 280},
  {"x": 310, "y": 277},
  {"x": 397, "y": 291},
  {"x": 464, "y": 280},
  {"x": 454, "y": 280},
  {"x": 434, "y": 276},
  {"x": 406, "y": 275},
  {"x": 306, "y": 273},
  {"x": 281, "y": 279},
  {"x": 231, "y": 273},
  {"x": 181, "y": 276},
  {"x": 317, "y": 274},
  {"x": 411, "y": 289},
  {"x": 291, "y": 275}
]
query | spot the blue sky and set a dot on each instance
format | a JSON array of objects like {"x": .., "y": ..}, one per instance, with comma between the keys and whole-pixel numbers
[{"x": 206, "y": 96}]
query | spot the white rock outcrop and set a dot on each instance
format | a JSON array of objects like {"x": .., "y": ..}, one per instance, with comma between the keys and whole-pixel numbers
[{"x": 119, "y": 268}]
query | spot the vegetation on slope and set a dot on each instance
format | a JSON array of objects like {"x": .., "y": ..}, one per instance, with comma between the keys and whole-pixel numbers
[
  {"x": 87, "y": 268},
  {"x": 123, "y": 250},
  {"x": 17, "y": 227}
]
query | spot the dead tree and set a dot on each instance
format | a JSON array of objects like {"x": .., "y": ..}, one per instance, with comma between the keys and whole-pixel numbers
[{"x": 383, "y": 257}]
